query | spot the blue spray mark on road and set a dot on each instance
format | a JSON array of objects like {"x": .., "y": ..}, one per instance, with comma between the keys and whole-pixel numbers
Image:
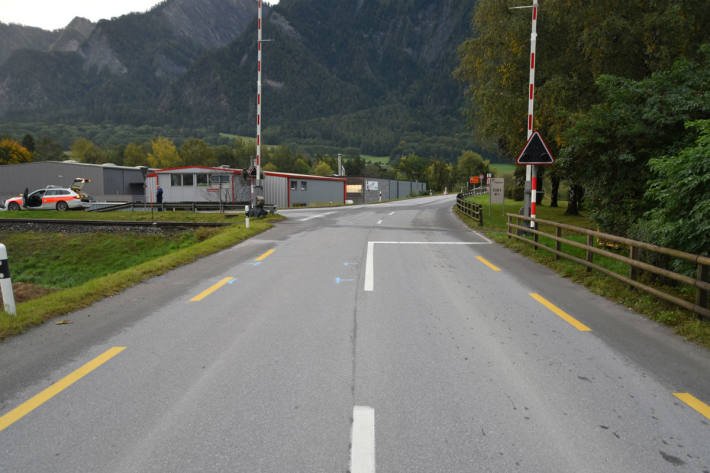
[
  {"x": 349, "y": 264},
  {"x": 232, "y": 281},
  {"x": 257, "y": 263},
  {"x": 339, "y": 280}
]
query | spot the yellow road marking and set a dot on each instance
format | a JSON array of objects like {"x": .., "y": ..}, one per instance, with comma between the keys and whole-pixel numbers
[
  {"x": 561, "y": 313},
  {"x": 210, "y": 290},
  {"x": 264, "y": 256},
  {"x": 695, "y": 403},
  {"x": 33, "y": 403},
  {"x": 487, "y": 263}
]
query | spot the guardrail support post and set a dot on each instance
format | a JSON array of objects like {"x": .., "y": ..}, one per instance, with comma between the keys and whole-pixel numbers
[
  {"x": 508, "y": 227},
  {"x": 558, "y": 243},
  {"x": 246, "y": 215},
  {"x": 8, "y": 297},
  {"x": 701, "y": 295},
  {"x": 590, "y": 255}
]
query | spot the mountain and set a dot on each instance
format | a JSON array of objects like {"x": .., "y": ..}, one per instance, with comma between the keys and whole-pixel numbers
[
  {"x": 121, "y": 65},
  {"x": 16, "y": 37},
  {"x": 367, "y": 74}
]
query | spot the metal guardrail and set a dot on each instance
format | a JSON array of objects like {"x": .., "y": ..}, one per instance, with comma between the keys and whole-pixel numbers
[
  {"x": 188, "y": 206},
  {"x": 475, "y": 192},
  {"x": 701, "y": 282},
  {"x": 470, "y": 209}
]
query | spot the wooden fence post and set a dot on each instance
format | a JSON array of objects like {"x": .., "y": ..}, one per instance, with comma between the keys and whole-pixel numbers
[
  {"x": 558, "y": 243},
  {"x": 634, "y": 254},
  {"x": 508, "y": 226},
  {"x": 701, "y": 295},
  {"x": 590, "y": 255}
]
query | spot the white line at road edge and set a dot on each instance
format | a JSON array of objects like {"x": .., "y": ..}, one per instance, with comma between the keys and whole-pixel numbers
[
  {"x": 391, "y": 213},
  {"x": 362, "y": 453},
  {"x": 370, "y": 259},
  {"x": 315, "y": 216},
  {"x": 380, "y": 221}
]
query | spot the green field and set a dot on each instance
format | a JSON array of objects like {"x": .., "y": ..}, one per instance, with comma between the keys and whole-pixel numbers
[
  {"x": 84, "y": 268},
  {"x": 384, "y": 160},
  {"x": 503, "y": 169}
]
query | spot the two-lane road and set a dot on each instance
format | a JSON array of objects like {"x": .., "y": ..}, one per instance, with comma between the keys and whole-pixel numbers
[{"x": 387, "y": 337}]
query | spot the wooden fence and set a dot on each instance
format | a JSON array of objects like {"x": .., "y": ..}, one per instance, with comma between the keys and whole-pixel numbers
[
  {"x": 470, "y": 209},
  {"x": 700, "y": 282}
]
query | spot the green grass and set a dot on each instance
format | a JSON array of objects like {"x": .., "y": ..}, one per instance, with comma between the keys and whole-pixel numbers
[
  {"x": 384, "y": 160},
  {"x": 83, "y": 294},
  {"x": 143, "y": 216},
  {"x": 497, "y": 222},
  {"x": 684, "y": 322},
  {"x": 502, "y": 169},
  {"x": 62, "y": 260}
]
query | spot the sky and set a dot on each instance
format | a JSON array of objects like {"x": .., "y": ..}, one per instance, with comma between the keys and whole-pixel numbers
[{"x": 55, "y": 14}]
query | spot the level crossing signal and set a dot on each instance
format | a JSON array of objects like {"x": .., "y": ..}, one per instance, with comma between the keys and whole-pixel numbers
[{"x": 535, "y": 151}]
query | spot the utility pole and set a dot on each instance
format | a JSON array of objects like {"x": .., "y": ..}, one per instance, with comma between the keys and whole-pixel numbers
[{"x": 531, "y": 170}]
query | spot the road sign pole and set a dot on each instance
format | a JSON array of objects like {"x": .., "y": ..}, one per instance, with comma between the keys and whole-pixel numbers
[{"x": 258, "y": 101}]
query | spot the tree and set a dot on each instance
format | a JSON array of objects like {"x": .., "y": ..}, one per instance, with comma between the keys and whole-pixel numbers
[
  {"x": 608, "y": 150},
  {"x": 28, "y": 141},
  {"x": 470, "y": 164},
  {"x": 46, "y": 149},
  {"x": 354, "y": 166},
  {"x": 134, "y": 155},
  {"x": 12, "y": 152},
  {"x": 577, "y": 42},
  {"x": 413, "y": 167},
  {"x": 322, "y": 169},
  {"x": 196, "y": 152},
  {"x": 680, "y": 191},
  {"x": 439, "y": 175},
  {"x": 301, "y": 166},
  {"x": 87, "y": 152},
  {"x": 163, "y": 154}
]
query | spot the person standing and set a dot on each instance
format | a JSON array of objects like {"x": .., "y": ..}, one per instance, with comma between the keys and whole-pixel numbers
[{"x": 159, "y": 198}]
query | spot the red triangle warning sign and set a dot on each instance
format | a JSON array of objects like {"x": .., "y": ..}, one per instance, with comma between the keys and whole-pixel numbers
[{"x": 535, "y": 151}]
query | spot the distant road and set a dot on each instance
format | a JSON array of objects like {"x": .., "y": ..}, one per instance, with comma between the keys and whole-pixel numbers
[{"x": 380, "y": 337}]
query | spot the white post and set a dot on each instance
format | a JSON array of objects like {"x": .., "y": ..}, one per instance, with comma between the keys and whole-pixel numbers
[
  {"x": 258, "y": 98},
  {"x": 246, "y": 215},
  {"x": 8, "y": 296},
  {"x": 531, "y": 171}
]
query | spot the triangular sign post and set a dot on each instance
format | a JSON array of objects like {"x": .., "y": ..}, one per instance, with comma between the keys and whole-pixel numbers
[{"x": 535, "y": 152}]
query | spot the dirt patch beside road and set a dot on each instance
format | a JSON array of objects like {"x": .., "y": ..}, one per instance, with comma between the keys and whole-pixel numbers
[{"x": 25, "y": 292}]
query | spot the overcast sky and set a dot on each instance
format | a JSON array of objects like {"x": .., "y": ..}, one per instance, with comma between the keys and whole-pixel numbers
[{"x": 54, "y": 14}]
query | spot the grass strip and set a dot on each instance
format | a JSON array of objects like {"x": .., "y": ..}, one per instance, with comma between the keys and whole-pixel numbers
[
  {"x": 684, "y": 322},
  {"x": 35, "y": 312}
]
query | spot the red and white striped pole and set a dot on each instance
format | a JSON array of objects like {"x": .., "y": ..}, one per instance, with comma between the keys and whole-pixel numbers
[
  {"x": 531, "y": 171},
  {"x": 258, "y": 99}
]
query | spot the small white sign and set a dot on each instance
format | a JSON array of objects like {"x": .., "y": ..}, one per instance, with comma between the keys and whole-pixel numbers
[
  {"x": 373, "y": 185},
  {"x": 497, "y": 190}
]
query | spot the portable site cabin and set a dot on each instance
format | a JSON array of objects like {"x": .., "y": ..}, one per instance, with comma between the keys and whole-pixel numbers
[
  {"x": 198, "y": 184},
  {"x": 287, "y": 190}
]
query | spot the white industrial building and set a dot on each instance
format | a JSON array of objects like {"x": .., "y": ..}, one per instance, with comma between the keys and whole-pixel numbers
[{"x": 207, "y": 184}]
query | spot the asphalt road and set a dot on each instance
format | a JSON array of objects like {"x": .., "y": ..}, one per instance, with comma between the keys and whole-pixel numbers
[{"x": 387, "y": 337}]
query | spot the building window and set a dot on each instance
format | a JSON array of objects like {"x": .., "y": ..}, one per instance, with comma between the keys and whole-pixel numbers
[
  {"x": 294, "y": 185},
  {"x": 175, "y": 180},
  {"x": 304, "y": 185},
  {"x": 201, "y": 180},
  {"x": 187, "y": 179}
]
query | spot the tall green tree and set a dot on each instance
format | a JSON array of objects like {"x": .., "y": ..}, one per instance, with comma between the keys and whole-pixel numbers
[
  {"x": 470, "y": 164},
  {"x": 609, "y": 148},
  {"x": 195, "y": 152},
  {"x": 680, "y": 192}
]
